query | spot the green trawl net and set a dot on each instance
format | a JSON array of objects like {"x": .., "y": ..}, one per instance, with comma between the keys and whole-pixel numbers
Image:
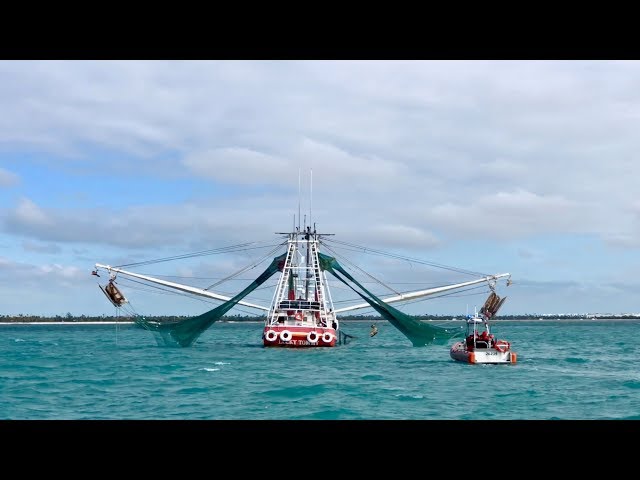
[
  {"x": 419, "y": 333},
  {"x": 184, "y": 332}
]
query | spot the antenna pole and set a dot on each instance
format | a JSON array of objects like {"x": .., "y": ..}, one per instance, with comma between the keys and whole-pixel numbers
[
  {"x": 310, "y": 195},
  {"x": 298, "y": 198}
]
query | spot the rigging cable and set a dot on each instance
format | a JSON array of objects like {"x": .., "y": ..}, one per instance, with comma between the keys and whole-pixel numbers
[
  {"x": 401, "y": 257},
  {"x": 248, "y": 267},
  {"x": 353, "y": 265},
  {"x": 232, "y": 248}
]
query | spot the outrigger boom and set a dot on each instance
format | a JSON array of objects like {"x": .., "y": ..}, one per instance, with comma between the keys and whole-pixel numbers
[
  {"x": 425, "y": 293},
  {"x": 398, "y": 298},
  {"x": 178, "y": 286}
]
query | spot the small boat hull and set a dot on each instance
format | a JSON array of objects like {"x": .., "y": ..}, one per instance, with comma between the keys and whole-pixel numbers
[
  {"x": 460, "y": 353},
  {"x": 297, "y": 336}
]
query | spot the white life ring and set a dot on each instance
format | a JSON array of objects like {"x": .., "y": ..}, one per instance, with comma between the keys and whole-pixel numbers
[
  {"x": 327, "y": 337},
  {"x": 299, "y": 316},
  {"x": 285, "y": 335},
  {"x": 502, "y": 346},
  {"x": 312, "y": 337},
  {"x": 271, "y": 336}
]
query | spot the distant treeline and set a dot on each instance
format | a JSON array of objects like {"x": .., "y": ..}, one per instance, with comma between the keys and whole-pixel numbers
[{"x": 249, "y": 318}]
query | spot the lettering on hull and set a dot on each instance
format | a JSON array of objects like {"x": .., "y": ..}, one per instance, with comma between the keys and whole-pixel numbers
[{"x": 297, "y": 343}]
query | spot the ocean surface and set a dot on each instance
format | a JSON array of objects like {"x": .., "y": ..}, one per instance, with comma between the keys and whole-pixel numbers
[{"x": 573, "y": 370}]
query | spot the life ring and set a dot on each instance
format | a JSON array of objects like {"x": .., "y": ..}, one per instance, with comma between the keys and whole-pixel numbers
[
  {"x": 502, "y": 346},
  {"x": 312, "y": 337},
  {"x": 285, "y": 335},
  {"x": 327, "y": 337},
  {"x": 271, "y": 336},
  {"x": 299, "y": 316}
]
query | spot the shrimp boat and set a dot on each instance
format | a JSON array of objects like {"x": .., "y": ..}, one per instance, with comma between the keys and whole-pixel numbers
[
  {"x": 479, "y": 344},
  {"x": 302, "y": 312}
]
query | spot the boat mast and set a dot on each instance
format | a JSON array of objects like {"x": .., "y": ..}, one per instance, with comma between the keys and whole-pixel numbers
[
  {"x": 310, "y": 196},
  {"x": 299, "y": 194},
  {"x": 308, "y": 272},
  {"x": 307, "y": 235}
]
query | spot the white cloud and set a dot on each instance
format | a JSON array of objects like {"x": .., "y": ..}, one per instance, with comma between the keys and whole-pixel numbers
[
  {"x": 409, "y": 154},
  {"x": 37, "y": 247},
  {"x": 623, "y": 240},
  {"x": 511, "y": 214},
  {"x": 7, "y": 178},
  {"x": 29, "y": 214},
  {"x": 236, "y": 165},
  {"x": 527, "y": 253},
  {"x": 401, "y": 236}
]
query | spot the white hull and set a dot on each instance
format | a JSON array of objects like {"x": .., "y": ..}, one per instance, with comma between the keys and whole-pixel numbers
[{"x": 460, "y": 353}]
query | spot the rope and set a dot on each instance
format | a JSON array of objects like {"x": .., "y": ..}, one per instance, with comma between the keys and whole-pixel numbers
[
  {"x": 248, "y": 267},
  {"x": 401, "y": 257},
  {"x": 349, "y": 262},
  {"x": 232, "y": 248}
]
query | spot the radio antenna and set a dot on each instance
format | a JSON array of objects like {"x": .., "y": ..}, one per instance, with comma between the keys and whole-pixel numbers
[
  {"x": 298, "y": 198},
  {"x": 310, "y": 195}
]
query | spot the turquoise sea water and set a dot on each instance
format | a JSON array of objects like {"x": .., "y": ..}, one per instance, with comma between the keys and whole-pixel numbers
[{"x": 566, "y": 370}]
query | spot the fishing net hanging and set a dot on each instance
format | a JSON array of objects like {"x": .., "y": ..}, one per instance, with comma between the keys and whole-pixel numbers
[
  {"x": 419, "y": 333},
  {"x": 184, "y": 332}
]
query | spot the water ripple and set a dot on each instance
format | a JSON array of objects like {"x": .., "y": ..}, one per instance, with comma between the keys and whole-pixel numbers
[{"x": 77, "y": 372}]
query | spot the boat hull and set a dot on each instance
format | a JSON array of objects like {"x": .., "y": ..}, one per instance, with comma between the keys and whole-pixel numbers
[
  {"x": 460, "y": 353},
  {"x": 297, "y": 336}
]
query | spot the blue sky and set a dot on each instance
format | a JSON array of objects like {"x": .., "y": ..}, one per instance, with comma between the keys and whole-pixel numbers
[{"x": 526, "y": 167}]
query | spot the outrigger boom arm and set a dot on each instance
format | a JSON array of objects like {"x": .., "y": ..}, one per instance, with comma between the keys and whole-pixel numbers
[
  {"x": 425, "y": 293},
  {"x": 178, "y": 286},
  {"x": 398, "y": 298}
]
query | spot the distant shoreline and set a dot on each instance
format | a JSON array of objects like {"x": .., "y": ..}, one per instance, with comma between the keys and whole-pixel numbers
[
  {"x": 67, "y": 323},
  {"x": 457, "y": 320}
]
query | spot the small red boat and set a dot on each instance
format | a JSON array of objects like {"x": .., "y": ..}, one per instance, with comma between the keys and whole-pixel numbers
[{"x": 480, "y": 345}]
